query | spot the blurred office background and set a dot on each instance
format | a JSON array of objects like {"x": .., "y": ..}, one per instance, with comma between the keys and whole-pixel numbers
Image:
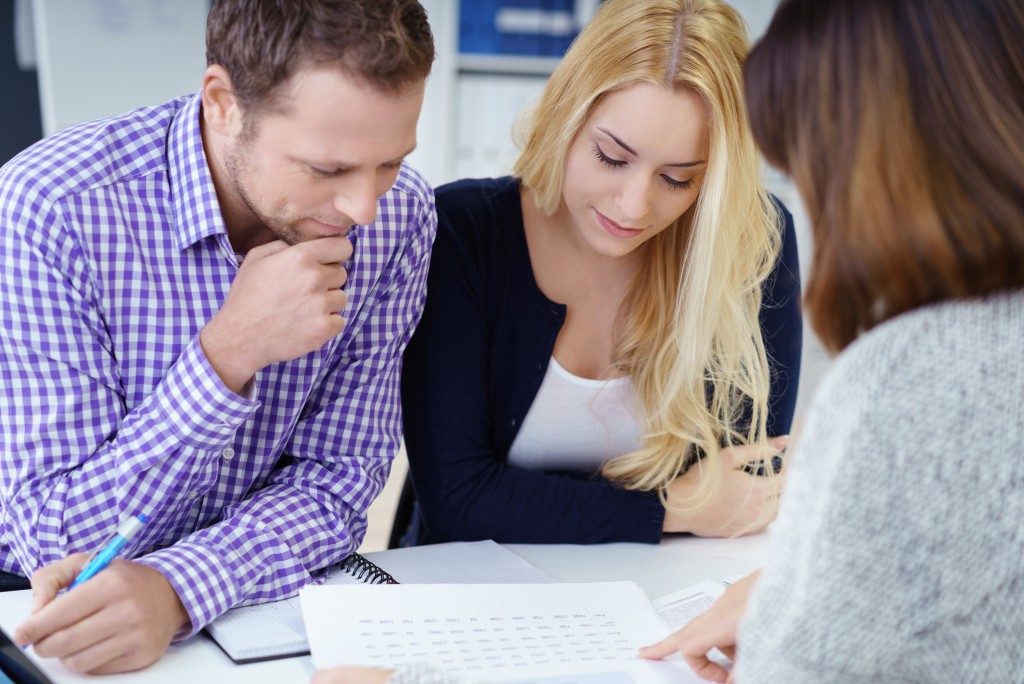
[{"x": 63, "y": 62}]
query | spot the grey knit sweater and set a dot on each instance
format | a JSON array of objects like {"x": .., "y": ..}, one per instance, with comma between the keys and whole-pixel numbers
[{"x": 898, "y": 554}]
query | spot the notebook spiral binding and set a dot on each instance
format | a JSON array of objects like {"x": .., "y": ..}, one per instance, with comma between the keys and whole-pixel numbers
[{"x": 365, "y": 571}]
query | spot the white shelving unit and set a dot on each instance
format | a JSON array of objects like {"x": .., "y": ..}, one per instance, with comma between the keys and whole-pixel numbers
[
  {"x": 507, "y": 64},
  {"x": 471, "y": 103}
]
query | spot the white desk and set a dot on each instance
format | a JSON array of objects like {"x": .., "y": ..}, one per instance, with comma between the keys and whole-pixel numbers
[
  {"x": 676, "y": 563},
  {"x": 659, "y": 570}
]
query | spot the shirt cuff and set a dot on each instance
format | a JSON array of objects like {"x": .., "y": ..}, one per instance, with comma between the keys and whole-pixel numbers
[
  {"x": 202, "y": 580},
  {"x": 198, "y": 403},
  {"x": 648, "y": 519}
]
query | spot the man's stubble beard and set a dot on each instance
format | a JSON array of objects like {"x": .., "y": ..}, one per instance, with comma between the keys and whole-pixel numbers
[{"x": 238, "y": 164}]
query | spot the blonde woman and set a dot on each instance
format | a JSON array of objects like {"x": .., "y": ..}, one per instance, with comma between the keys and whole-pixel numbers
[{"x": 612, "y": 335}]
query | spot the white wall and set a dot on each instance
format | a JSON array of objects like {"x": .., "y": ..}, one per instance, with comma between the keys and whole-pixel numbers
[
  {"x": 756, "y": 13},
  {"x": 100, "y": 58}
]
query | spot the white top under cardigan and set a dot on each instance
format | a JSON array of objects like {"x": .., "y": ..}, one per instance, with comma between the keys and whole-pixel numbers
[{"x": 577, "y": 423}]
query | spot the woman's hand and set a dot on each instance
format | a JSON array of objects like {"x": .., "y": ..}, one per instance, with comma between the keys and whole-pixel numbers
[
  {"x": 352, "y": 675},
  {"x": 716, "y": 628},
  {"x": 411, "y": 672},
  {"x": 744, "y": 503}
]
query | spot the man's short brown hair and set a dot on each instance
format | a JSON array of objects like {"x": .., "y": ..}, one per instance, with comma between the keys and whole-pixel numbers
[{"x": 261, "y": 43}]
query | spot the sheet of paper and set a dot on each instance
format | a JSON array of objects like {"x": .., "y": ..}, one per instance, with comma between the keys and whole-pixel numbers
[
  {"x": 670, "y": 671},
  {"x": 483, "y": 632},
  {"x": 730, "y": 580},
  {"x": 678, "y": 608}
]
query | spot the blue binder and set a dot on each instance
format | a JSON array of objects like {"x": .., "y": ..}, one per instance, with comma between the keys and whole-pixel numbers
[{"x": 480, "y": 33}]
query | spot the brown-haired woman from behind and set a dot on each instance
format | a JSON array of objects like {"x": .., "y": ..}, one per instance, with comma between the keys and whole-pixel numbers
[{"x": 897, "y": 555}]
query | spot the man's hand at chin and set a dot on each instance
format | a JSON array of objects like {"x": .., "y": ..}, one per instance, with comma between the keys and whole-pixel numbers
[{"x": 122, "y": 619}]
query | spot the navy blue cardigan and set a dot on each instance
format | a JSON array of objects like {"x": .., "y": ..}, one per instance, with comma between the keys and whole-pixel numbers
[{"x": 476, "y": 362}]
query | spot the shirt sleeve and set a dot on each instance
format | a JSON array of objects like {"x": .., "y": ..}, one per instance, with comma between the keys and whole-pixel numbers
[
  {"x": 75, "y": 460},
  {"x": 465, "y": 490},
  {"x": 312, "y": 511}
]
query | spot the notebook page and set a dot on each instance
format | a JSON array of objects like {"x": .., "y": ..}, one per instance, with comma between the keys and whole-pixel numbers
[
  {"x": 498, "y": 631},
  {"x": 261, "y": 631},
  {"x": 482, "y": 562}
]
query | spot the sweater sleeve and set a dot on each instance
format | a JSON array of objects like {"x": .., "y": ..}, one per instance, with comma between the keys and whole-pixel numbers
[
  {"x": 465, "y": 490},
  {"x": 896, "y": 555}
]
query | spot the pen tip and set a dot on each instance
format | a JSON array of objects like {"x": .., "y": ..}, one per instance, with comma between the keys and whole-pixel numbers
[{"x": 143, "y": 517}]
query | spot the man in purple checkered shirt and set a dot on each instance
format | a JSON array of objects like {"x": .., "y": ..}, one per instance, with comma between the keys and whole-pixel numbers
[{"x": 203, "y": 307}]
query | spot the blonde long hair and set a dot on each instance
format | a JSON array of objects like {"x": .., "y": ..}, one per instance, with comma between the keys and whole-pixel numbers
[{"x": 688, "y": 334}]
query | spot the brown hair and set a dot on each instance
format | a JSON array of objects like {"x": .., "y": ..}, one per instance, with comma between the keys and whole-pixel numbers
[
  {"x": 902, "y": 124},
  {"x": 261, "y": 43}
]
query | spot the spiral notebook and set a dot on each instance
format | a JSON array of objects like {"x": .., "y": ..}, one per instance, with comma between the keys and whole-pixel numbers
[{"x": 276, "y": 630}]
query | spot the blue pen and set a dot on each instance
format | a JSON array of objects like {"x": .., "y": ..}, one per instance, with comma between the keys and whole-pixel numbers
[{"x": 113, "y": 546}]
